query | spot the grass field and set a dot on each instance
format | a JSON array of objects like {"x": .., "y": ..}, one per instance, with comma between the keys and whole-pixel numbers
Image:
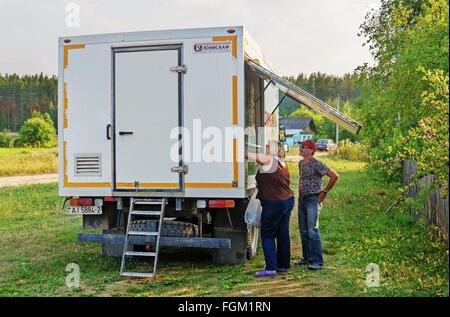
[
  {"x": 38, "y": 241},
  {"x": 28, "y": 161}
]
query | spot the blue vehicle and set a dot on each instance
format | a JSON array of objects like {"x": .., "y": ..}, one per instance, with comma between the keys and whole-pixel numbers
[{"x": 325, "y": 145}]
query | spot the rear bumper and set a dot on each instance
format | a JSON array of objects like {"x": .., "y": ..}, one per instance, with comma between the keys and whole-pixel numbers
[{"x": 165, "y": 241}]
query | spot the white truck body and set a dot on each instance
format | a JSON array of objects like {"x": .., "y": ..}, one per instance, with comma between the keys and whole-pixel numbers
[
  {"x": 168, "y": 115},
  {"x": 112, "y": 85}
]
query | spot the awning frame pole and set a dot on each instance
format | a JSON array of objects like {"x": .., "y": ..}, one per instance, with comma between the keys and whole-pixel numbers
[
  {"x": 259, "y": 97},
  {"x": 275, "y": 108},
  {"x": 307, "y": 99}
]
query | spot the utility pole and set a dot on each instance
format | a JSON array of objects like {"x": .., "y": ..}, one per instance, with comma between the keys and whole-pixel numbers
[
  {"x": 314, "y": 86},
  {"x": 337, "y": 126}
]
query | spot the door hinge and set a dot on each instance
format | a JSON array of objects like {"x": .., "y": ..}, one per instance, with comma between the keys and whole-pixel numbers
[{"x": 179, "y": 69}]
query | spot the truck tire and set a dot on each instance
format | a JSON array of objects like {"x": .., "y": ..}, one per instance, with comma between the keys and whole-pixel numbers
[{"x": 169, "y": 228}]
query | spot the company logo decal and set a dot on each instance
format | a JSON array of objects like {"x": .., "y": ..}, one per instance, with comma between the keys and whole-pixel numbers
[{"x": 215, "y": 47}]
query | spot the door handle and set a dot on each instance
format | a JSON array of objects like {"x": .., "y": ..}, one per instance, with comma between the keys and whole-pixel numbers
[
  {"x": 125, "y": 132},
  {"x": 108, "y": 127}
]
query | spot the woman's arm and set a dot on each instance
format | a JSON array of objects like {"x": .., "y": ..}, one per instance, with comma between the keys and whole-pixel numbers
[{"x": 260, "y": 158}]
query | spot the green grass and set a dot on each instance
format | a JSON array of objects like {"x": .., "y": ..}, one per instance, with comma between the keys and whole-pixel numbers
[
  {"x": 37, "y": 241},
  {"x": 355, "y": 227},
  {"x": 28, "y": 161}
]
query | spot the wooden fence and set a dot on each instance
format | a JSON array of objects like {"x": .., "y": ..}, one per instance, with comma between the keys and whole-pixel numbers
[{"x": 435, "y": 210}]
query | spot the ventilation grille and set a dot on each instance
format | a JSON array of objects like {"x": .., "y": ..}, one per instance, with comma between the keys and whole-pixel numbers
[{"x": 88, "y": 164}]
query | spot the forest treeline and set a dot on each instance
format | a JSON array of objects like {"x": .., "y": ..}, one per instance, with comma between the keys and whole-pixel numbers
[
  {"x": 21, "y": 95},
  {"x": 324, "y": 86}
]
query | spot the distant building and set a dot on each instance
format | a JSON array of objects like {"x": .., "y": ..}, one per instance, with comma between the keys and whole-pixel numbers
[{"x": 297, "y": 129}]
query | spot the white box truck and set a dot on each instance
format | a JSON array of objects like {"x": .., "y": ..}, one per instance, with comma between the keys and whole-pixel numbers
[{"x": 168, "y": 115}]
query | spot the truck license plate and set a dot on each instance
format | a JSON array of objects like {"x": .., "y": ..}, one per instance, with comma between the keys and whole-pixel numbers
[{"x": 84, "y": 210}]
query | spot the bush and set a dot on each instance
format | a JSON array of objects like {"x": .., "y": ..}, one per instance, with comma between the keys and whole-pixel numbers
[
  {"x": 350, "y": 151},
  {"x": 5, "y": 140},
  {"x": 37, "y": 132}
]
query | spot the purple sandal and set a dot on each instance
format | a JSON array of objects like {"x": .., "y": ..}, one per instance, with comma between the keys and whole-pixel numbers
[{"x": 265, "y": 273}]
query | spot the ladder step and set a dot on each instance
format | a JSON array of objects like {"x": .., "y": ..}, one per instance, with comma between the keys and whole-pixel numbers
[
  {"x": 146, "y": 212},
  {"x": 135, "y": 274},
  {"x": 143, "y": 201},
  {"x": 140, "y": 253},
  {"x": 142, "y": 233}
]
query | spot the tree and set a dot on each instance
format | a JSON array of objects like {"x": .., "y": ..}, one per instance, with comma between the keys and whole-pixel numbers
[
  {"x": 428, "y": 143},
  {"x": 38, "y": 131},
  {"x": 322, "y": 86},
  {"x": 326, "y": 129},
  {"x": 408, "y": 39}
]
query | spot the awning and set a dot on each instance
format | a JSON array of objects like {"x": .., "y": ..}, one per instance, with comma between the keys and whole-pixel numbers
[{"x": 307, "y": 99}]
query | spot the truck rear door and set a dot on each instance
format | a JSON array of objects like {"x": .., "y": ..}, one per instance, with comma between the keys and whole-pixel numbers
[{"x": 146, "y": 109}]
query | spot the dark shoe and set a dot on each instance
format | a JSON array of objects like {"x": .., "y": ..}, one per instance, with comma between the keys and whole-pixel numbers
[
  {"x": 315, "y": 267},
  {"x": 302, "y": 262},
  {"x": 279, "y": 270},
  {"x": 264, "y": 273}
]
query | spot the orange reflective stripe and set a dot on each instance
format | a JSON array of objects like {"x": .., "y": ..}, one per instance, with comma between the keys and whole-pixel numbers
[
  {"x": 149, "y": 185},
  {"x": 65, "y": 164},
  {"x": 235, "y": 116},
  {"x": 228, "y": 38},
  {"x": 235, "y": 163},
  {"x": 65, "y": 106},
  {"x": 187, "y": 185},
  {"x": 66, "y": 52},
  {"x": 208, "y": 185},
  {"x": 87, "y": 184}
]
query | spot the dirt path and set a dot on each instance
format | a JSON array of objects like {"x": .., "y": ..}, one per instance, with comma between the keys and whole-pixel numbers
[{"x": 25, "y": 180}]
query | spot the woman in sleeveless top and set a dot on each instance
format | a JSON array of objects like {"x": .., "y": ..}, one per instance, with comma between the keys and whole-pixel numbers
[{"x": 277, "y": 200}]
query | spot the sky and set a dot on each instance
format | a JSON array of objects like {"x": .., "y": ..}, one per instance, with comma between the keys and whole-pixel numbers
[{"x": 297, "y": 36}]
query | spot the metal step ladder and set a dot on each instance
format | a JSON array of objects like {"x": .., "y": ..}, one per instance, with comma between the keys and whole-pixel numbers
[{"x": 133, "y": 215}]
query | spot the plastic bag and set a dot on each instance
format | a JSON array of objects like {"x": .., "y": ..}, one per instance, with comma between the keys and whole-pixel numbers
[{"x": 253, "y": 212}]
